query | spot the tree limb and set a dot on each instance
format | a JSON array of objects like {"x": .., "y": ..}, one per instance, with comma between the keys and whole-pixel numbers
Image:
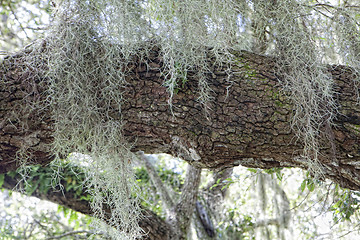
[
  {"x": 249, "y": 126},
  {"x": 154, "y": 227}
]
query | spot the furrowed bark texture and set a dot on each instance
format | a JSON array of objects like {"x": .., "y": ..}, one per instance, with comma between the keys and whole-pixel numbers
[
  {"x": 248, "y": 124},
  {"x": 185, "y": 206}
]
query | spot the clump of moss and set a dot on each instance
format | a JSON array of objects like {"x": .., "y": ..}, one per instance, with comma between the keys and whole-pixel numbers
[{"x": 85, "y": 96}]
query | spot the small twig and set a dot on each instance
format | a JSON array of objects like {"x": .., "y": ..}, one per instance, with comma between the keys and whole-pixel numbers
[
  {"x": 298, "y": 205},
  {"x": 322, "y": 13},
  {"x": 350, "y": 231},
  {"x": 37, "y": 28},
  {"x": 21, "y": 26},
  {"x": 46, "y": 229},
  {"x": 158, "y": 184},
  {"x": 2, "y": 52},
  {"x": 68, "y": 234}
]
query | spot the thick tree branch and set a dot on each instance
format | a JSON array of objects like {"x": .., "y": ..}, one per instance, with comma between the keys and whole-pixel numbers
[
  {"x": 69, "y": 234},
  {"x": 249, "y": 121},
  {"x": 153, "y": 226}
]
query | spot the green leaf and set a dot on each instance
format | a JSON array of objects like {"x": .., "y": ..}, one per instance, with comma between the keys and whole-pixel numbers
[
  {"x": 2, "y": 178},
  {"x": 338, "y": 204},
  {"x": 77, "y": 224},
  {"x": 66, "y": 211},
  {"x": 30, "y": 188},
  {"x": 35, "y": 168},
  {"x": 87, "y": 197},
  {"x": 311, "y": 186},
  {"x": 45, "y": 185},
  {"x": 12, "y": 174},
  {"x": 303, "y": 185},
  {"x": 73, "y": 216}
]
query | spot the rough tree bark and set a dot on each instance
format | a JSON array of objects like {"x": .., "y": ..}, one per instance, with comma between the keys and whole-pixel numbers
[
  {"x": 248, "y": 124},
  {"x": 184, "y": 208},
  {"x": 209, "y": 207}
]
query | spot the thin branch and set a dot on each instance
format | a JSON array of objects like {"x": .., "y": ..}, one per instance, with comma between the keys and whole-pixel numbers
[
  {"x": 70, "y": 233},
  {"x": 322, "y": 13},
  {"x": 38, "y": 28},
  {"x": 350, "y": 231},
  {"x": 154, "y": 226},
  {"x": 298, "y": 205},
  {"x": 46, "y": 229},
  {"x": 21, "y": 26},
  {"x": 158, "y": 184}
]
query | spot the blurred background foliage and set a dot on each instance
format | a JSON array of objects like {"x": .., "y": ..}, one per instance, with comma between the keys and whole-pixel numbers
[{"x": 21, "y": 22}]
